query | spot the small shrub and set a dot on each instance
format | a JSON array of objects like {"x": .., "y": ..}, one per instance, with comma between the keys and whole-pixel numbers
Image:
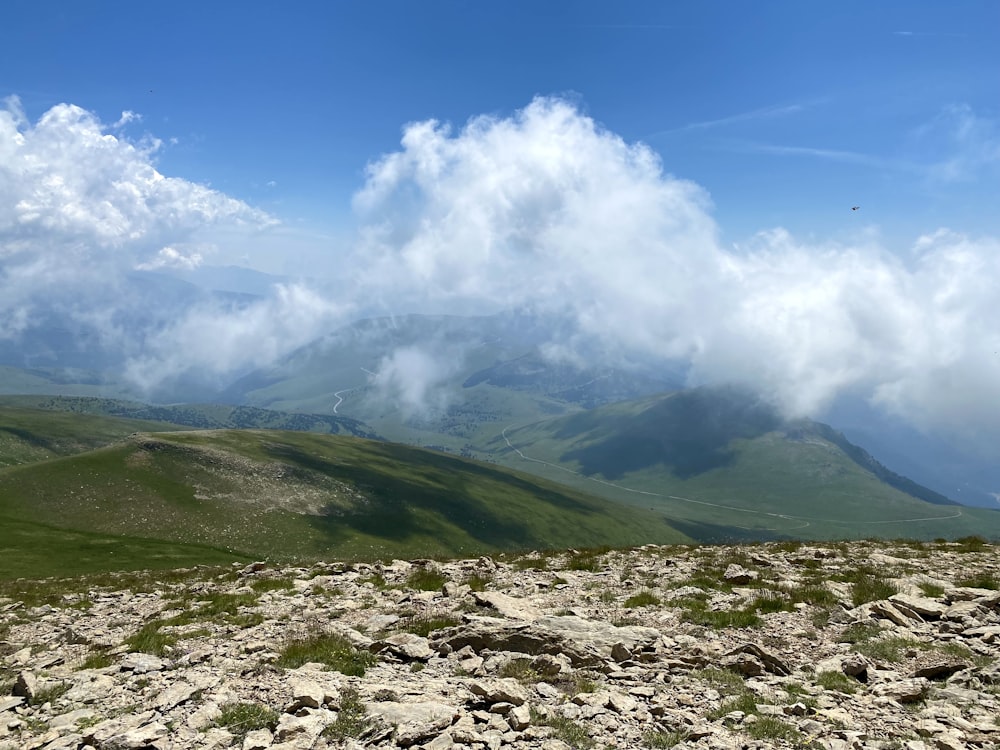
[
  {"x": 607, "y": 596},
  {"x": 333, "y": 650},
  {"x": 642, "y": 599},
  {"x": 242, "y": 718},
  {"x": 530, "y": 563},
  {"x": 932, "y": 590},
  {"x": 425, "y": 579}
]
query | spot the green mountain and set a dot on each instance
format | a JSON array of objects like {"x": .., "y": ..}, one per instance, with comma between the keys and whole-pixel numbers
[
  {"x": 722, "y": 465},
  {"x": 196, "y": 495}
]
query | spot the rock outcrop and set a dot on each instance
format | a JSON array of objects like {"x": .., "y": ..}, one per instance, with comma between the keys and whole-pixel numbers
[{"x": 835, "y": 647}]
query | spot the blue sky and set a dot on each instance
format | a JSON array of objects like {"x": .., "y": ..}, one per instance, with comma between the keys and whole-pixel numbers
[
  {"x": 675, "y": 178},
  {"x": 787, "y": 113}
]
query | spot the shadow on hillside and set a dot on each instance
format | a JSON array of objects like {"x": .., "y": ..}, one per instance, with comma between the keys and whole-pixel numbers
[
  {"x": 689, "y": 433},
  {"x": 712, "y": 533},
  {"x": 410, "y": 493}
]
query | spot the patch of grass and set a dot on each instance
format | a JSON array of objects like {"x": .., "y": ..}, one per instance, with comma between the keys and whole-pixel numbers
[
  {"x": 425, "y": 579},
  {"x": 815, "y": 594},
  {"x": 607, "y": 596},
  {"x": 871, "y": 587},
  {"x": 972, "y": 543},
  {"x": 585, "y": 561},
  {"x": 520, "y": 669},
  {"x": 377, "y": 580},
  {"x": 262, "y": 585},
  {"x": 836, "y": 681},
  {"x": 567, "y": 730},
  {"x": 558, "y": 581},
  {"x": 97, "y": 660},
  {"x": 659, "y": 739},
  {"x": 151, "y": 640},
  {"x": 352, "y": 721},
  {"x": 744, "y": 701},
  {"x": 773, "y": 728},
  {"x": 424, "y": 626},
  {"x": 49, "y": 693},
  {"x": 859, "y": 632},
  {"x": 477, "y": 582},
  {"x": 889, "y": 649},
  {"x": 331, "y": 649},
  {"x": 984, "y": 579},
  {"x": 642, "y": 599},
  {"x": 243, "y": 718},
  {"x": 723, "y": 680},
  {"x": 696, "y": 611},
  {"x": 932, "y": 590},
  {"x": 530, "y": 563},
  {"x": 769, "y": 601}
]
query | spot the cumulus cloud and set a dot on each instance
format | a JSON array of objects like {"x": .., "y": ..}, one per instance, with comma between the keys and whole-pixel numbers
[
  {"x": 546, "y": 209},
  {"x": 211, "y": 340},
  {"x": 82, "y": 207},
  {"x": 411, "y": 377},
  {"x": 543, "y": 210}
]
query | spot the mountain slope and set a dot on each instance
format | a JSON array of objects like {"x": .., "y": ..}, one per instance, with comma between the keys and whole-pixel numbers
[
  {"x": 722, "y": 465},
  {"x": 289, "y": 494}
]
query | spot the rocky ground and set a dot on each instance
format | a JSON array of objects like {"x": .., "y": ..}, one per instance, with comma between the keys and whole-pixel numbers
[{"x": 840, "y": 646}]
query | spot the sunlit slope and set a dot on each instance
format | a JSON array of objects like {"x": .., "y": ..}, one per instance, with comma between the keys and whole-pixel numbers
[
  {"x": 28, "y": 434},
  {"x": 289, "y": 494},
  {"x": 720, "y": 465}
]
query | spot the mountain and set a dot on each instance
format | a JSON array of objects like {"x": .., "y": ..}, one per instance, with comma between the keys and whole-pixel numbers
[
  {"x": 721, "y": 465},
  {"x": 289, "y": 495}
]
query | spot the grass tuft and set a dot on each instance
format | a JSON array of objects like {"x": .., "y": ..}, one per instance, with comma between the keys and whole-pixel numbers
[
  {"x": 331, "y": 649},
  {"x": 243, "y": 718},
  {"x": 642, "y": 599}
]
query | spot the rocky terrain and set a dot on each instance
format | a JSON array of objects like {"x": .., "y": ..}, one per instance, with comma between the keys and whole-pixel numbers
[{"x": 861, "y": 645}]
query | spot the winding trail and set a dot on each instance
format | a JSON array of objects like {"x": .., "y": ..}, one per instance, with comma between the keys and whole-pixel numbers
[{"x": 807, "y": 521}]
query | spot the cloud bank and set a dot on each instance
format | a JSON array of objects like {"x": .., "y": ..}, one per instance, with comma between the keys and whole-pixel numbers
[
  {"x": 542, "y": 210},
  {"x": 547, "y": 210},
  {"x": 82, "y": 208}
]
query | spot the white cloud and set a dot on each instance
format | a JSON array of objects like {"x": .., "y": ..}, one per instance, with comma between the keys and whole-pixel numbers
[
  {"x": 548, "y": 210},
  {"x": 212, "y": 340},
  {"x": 170, "y": 257},
  {"x": 411, "y": 377}
]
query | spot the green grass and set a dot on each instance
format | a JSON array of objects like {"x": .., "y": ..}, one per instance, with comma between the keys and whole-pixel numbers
[
  {"x": 773, "y": 728},
  {"x": 723, "y": 680},
  {"x": 744, "y": 701},
  {"x": 567, "y": 730},
  {"x": 426, "y": 579},
  {"x": 426, "y": 625},
  {"x": 352, "y": 721},
  {"x": 211, "y": 497},
  {"x": 696, "y": 611},
  {"x": 983, "y": 579},
  {"x": 243, "y": 718},
  {"x": 889, "y": 648},
  {"x": 932, "y": 590},
  {"x": 836, "y": 681},
  {"x": 642, "y": 599},
  {"x": 859, "y": 632},
  {"x": 660, "y": 739},
  {"x": 330, "y": 649}
]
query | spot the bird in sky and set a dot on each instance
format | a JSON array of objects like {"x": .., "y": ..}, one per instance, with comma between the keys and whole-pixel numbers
[{"x": 855, "y": 208}]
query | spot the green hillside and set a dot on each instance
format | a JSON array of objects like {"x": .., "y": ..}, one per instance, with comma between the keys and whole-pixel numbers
[
  {"x": 301, "y": 495},
  {"x": 722, "y": 466}
]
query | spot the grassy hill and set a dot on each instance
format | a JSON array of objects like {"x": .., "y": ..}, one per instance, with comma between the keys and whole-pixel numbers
[
  {"x": 723, "y": 466},
  {"x": 288, "y": 495}
]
